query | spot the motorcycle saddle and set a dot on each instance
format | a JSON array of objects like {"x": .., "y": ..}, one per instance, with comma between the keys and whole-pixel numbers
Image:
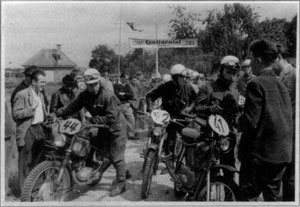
[{"x": 190, "y": 135}]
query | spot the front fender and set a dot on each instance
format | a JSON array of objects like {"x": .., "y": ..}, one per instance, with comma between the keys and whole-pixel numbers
[
  {"x": 224, "y": 167},
  {"x": 152, "y": 146}
]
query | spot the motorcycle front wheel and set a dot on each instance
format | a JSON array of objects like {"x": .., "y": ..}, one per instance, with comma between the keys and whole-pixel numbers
[
  {"x": 147, "y": 174},
  {"x": 40, "y": 184},
  {"x": 220, "y": 190}
]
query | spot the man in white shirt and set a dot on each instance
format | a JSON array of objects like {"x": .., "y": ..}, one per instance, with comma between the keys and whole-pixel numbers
[{"x": 29, "y": 112}]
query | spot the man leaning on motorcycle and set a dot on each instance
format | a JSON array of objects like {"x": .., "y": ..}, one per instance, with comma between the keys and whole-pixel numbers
[
  {"x": 105, "y": 108},
  {"x": 176, "y": 96},
  {"x": 220, "y": 97}
]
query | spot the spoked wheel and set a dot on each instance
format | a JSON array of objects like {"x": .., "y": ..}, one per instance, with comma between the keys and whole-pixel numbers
[
  {"x": 147, "y": 174},
  {"x": 220, "y": 190},
  {"x": 40, "y": 184}
]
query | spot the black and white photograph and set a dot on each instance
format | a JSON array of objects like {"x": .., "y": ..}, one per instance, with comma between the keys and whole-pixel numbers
[{"x": 142, "y": 103}]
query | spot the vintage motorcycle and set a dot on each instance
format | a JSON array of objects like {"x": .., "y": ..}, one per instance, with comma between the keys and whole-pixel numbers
[
  {"x": 70, "y": 158},
  {"x": 153, "y": 153},
  {"x": 198, "y": 174},
  {"x": 198, "y": 169}
]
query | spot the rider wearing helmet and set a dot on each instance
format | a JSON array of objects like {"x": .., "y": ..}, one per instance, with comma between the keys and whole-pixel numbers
[
  {"x": 176, "y": 95},
  {"x": 220, "y": 97}
]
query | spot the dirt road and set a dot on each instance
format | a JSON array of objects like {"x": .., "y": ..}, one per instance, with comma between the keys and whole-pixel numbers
[{"x": 161, "y": 189}]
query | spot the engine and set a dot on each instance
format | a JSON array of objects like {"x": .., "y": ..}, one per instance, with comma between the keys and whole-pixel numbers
[{"x": 186, "y": 176}]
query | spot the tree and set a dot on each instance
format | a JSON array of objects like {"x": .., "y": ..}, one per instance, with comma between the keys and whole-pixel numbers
[
  {"x": 226, "y": 31},
  {"x": 291, "y": 37},
  {"x": 103, "y": 58}
]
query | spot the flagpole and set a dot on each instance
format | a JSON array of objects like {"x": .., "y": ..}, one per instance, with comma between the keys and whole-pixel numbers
[{"x": 119, "y": 60}]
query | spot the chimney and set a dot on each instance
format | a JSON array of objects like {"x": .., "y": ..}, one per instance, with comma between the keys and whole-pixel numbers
[{"x": 58, "y": 49}]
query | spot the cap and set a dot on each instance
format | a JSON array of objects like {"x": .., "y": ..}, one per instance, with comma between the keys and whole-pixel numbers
[
  {"x": 29, "y": 70},
  {"x": 246, "y": 63},
  {"x": 91, "y": 76}
]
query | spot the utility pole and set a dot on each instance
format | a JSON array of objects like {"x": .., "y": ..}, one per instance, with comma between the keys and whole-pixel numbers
[{"x": 119, "y": 61}]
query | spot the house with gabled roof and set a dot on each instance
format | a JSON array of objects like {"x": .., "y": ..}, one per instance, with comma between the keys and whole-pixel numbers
[{"x": 53, "y": 61}]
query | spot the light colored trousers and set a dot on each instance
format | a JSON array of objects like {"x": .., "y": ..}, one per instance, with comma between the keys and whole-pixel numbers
[{"x": 128, "y": 113}]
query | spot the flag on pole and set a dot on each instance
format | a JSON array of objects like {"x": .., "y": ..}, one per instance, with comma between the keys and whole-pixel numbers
[{"x": 131, "y": 25}]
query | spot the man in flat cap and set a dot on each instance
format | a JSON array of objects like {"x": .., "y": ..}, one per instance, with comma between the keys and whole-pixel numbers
[{"x": 105, "y": 108}]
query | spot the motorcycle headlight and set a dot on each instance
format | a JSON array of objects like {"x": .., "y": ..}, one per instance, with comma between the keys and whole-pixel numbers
[
  {"x": 225, "y": 144},
  {"x": 60, "y": 140},
  {"x": 157, "y": 131}
]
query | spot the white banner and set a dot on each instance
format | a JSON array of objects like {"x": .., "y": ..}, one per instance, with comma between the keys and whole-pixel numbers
[{"x": 142, "y": 43}]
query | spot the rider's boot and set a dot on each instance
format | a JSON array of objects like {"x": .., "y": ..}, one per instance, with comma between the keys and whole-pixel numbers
[{"x": 118, "y": 188}]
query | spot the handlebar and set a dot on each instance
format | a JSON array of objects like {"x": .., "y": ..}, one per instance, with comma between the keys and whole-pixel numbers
[{"x": 200, "y": 121}]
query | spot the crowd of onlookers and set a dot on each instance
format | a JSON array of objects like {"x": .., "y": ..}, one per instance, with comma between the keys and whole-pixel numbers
[{"x": 256, "y": 96}]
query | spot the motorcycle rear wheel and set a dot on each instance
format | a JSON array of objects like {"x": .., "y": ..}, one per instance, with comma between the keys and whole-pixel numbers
[
  {"x": 220, "y": 190},
  {"x": 40, "y": 183},
  {"x": 147, "y": 174}
]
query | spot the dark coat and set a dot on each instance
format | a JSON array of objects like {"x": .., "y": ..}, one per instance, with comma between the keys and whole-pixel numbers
[
  {"x": 267, "y": 120},
  {"x": 119, "y": 88},
  {"x": 174, "y": 97},
  {"x": 60, "y": 99},
  {"x": 105, "y": 108},
  {"x": 219, "y": 93}
]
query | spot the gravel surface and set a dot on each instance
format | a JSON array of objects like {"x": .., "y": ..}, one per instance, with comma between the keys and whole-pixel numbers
[{"x": 161, "y": 188}]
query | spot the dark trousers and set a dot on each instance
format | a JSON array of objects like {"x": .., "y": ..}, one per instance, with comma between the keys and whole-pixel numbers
[
  {"x": 169, "y": 144},
  {"x": 288, "y": 179},
  {"x": 261, "y": 177},
  {"x": 111, "y": 149},
  {"x": 8, "y": 158},
  {"x": 31, "y": 153}
]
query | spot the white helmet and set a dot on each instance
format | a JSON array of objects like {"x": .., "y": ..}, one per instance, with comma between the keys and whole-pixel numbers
[
  {"x": 246, "y": 63},
  {"x": 177, "y": 69},
  {"x": 166, "y": 78},
  {"x": 194, "y": 75}
]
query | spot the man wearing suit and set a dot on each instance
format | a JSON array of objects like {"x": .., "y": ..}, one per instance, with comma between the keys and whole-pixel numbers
[
  {"x": 25, "y": 84},
  {"x": 29, "y": 112}
]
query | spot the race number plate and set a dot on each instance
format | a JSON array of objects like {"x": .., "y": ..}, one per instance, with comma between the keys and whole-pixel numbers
[
  {"x": 70, "y": 126},
  {"x": 160, "y": 116},
  {"x": 218, "y": 124},
  {"x": 242, "y": 100}
]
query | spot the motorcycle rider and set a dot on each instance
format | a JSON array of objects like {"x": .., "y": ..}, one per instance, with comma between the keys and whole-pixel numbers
[
  {"x": 176, "y": 95},
  {"x": 105, "y": 108},
  {"x": 220, "y": 97}
]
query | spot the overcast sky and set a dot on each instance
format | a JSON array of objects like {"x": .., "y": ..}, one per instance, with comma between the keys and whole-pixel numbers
[{"x": 28, "y": 27}]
